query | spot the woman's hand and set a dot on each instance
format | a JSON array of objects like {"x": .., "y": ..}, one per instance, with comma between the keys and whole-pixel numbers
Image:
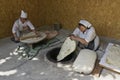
[
  {"x": 73, "y": 37},
  {"x": 81, "y": 40},
  {"x": 25, "y": 28}
]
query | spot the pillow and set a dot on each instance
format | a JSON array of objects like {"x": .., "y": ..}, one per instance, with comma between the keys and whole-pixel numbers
[
  {"x": 85, "y": 61},
  {"x": 67, "y": 48}
]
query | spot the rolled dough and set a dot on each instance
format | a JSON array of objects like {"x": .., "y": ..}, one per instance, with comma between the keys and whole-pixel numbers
[{"x": 67, "y": 48}]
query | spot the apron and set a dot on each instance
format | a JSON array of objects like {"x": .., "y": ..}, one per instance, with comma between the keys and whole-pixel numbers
[
  {"x": 22, "y": 32},
  {"x": 90, "y": 45}
]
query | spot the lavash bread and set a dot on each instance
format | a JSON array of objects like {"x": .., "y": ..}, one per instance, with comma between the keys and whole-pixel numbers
[
  {"x": 67, "y": 48},
  {"x": 32, "y": 37},
  {"x": 28, "y": 35}
]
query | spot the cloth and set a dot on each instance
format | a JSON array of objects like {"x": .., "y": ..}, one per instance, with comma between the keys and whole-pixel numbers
[
  {"x": 18, "y": 26},
  {"x": 85, "y": 23},
  {"x": 23, "y": 14},
  {"x": 89, "y": 35}
]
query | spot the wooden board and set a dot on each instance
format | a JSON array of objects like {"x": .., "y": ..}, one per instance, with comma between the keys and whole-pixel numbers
[{"x": 97, "y": 70}]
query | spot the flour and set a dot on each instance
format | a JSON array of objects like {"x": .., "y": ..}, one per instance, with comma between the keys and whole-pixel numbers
[{"x": 113, "y": 56}]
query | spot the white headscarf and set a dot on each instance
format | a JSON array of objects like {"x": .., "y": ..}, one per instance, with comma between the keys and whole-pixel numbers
[
  {"x": 85, "y": 23},
  {"x": 23, "y": 14}
]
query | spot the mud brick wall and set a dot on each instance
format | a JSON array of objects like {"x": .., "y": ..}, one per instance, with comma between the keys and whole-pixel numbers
[
  {"x": 10, "y": 11},
  {"x": 103, "y": 14}
]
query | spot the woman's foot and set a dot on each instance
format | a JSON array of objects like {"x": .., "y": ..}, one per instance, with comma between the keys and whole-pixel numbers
[{"x": 13, "y": 39}]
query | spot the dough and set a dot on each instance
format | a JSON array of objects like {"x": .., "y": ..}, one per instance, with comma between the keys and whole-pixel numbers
[
  {"x": 67, "y": 48},
  {"x": 28, "y": 35},
  {"x": 51, "y": 34},
  {"x": 32, "y": 38}
]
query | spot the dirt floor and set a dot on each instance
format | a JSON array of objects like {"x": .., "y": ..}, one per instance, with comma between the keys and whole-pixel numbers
[{"x": 13, "y": 67}]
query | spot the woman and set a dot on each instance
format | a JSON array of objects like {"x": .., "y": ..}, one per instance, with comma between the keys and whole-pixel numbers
[
  {"x": 21, "y": 26},
  {"x": 86, "y": 36}
]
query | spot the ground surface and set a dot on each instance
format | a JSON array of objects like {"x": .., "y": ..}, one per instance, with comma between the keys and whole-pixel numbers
[{"x": 12, "y": 67}]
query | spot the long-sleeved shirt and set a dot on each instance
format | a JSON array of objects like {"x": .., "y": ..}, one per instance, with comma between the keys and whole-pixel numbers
[{"x": 18, "y": 25}]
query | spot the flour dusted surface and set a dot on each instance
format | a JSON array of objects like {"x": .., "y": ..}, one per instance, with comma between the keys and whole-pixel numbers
[{"x": 113, "y": 56}]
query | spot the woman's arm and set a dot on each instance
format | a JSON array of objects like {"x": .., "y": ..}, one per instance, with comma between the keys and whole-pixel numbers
[{"x": 81, "y": 40}]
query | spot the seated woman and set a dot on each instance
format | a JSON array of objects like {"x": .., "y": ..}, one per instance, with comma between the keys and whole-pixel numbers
[
  {"x": 22, "y": 25},
  {"x": 86, "y": 36}
]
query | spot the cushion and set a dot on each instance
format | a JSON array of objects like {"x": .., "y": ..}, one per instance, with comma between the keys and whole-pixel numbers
[
  {"x": 67, "y": 48},
  {"x": 85, "y": 61}
]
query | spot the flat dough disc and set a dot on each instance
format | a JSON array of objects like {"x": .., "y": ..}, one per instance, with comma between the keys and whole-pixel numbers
[
  {"x": 32, "y": 38},
  {"x": 67, "y": 48}
]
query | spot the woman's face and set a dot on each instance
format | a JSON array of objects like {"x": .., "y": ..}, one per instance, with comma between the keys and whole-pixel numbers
[
  {"x": 23, "y": 19},
  {"x": 82, "y": 28}
]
